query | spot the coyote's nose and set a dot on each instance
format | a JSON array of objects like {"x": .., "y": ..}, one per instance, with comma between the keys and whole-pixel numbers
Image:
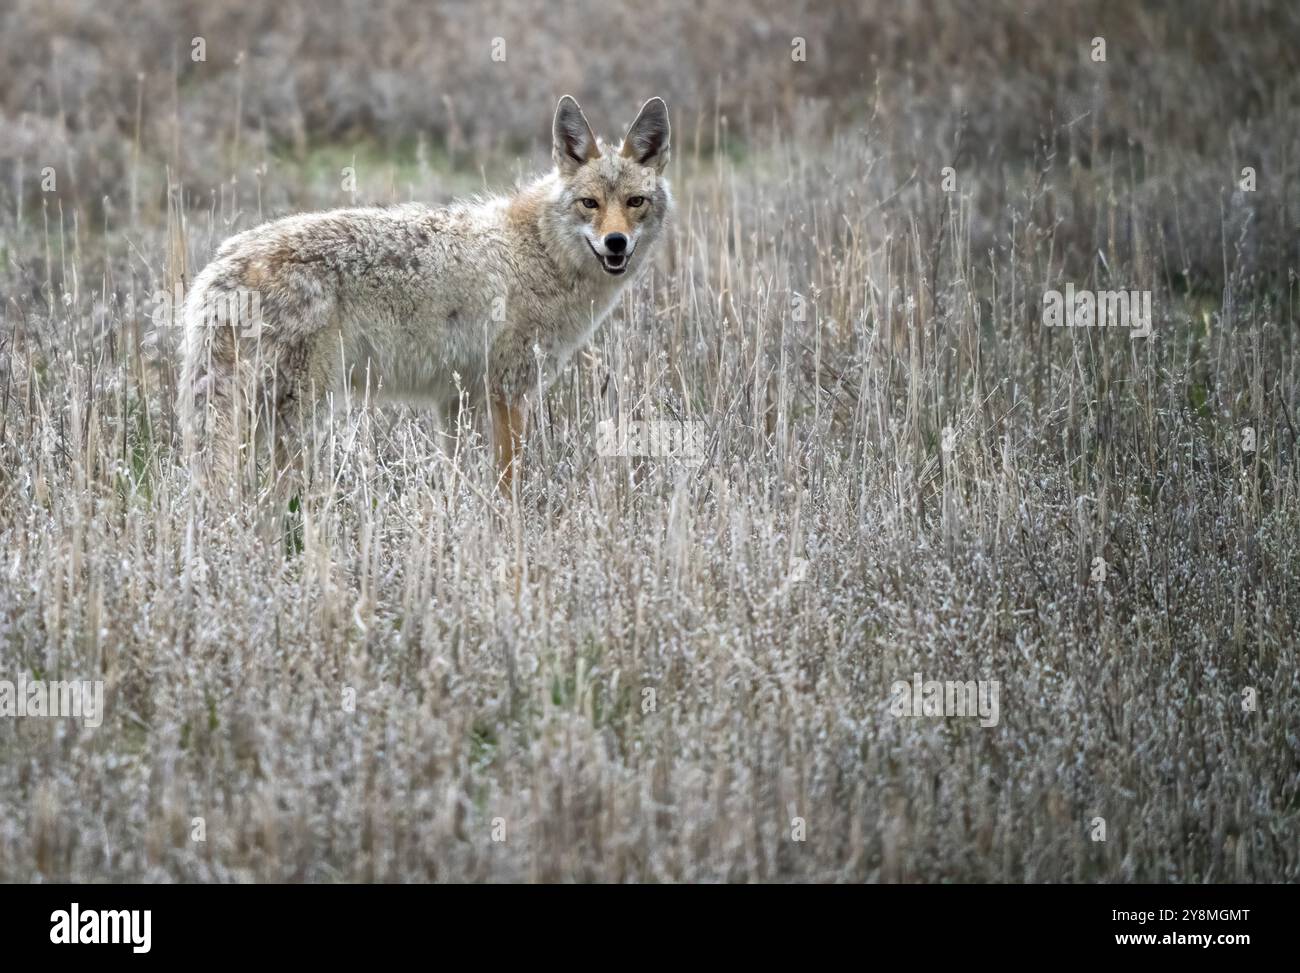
[{"x": 615, "y": 242}]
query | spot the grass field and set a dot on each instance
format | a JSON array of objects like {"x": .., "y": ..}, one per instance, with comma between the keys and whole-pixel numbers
[{"x": 647, "y": 669}]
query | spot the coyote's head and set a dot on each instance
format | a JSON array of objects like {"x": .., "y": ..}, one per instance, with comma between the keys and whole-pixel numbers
[{"x": 611, "y": 202}]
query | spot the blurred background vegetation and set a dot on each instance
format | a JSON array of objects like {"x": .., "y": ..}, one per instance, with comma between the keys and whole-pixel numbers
[{"x": 110, "y": 94}]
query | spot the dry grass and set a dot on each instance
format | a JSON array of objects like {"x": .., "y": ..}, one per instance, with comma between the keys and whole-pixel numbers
[{"x": 827, "y": 545}]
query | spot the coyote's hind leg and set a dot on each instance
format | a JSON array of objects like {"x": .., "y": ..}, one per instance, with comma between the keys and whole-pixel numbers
[{"x": 295, "y": 405}]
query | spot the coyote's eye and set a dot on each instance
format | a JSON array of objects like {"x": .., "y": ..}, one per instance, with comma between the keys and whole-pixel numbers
[
  {"x": 636, "y": 201},
  {"x": 590, "y": 203}
]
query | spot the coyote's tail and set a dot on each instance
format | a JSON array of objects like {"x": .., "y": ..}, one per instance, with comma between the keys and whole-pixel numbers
[{"x": 208, "y": 385}]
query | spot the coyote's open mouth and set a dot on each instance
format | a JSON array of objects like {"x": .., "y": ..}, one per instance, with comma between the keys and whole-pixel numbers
[{"x": 612, "y": 263}]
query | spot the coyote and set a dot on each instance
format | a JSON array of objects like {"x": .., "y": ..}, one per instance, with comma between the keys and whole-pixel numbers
[{"x": 481, "y": 302}]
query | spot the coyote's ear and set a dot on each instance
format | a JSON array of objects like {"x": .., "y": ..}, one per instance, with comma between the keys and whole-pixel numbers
[
  {"x": 572, "y": 140},
  {"x": 647, "y": 138}
]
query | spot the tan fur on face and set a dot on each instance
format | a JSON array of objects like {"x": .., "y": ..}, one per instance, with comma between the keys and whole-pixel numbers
[{"x": 612, "y": 180}]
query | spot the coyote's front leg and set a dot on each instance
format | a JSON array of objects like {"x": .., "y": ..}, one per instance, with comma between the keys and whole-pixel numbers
[{"x": 509, "y": 420}]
